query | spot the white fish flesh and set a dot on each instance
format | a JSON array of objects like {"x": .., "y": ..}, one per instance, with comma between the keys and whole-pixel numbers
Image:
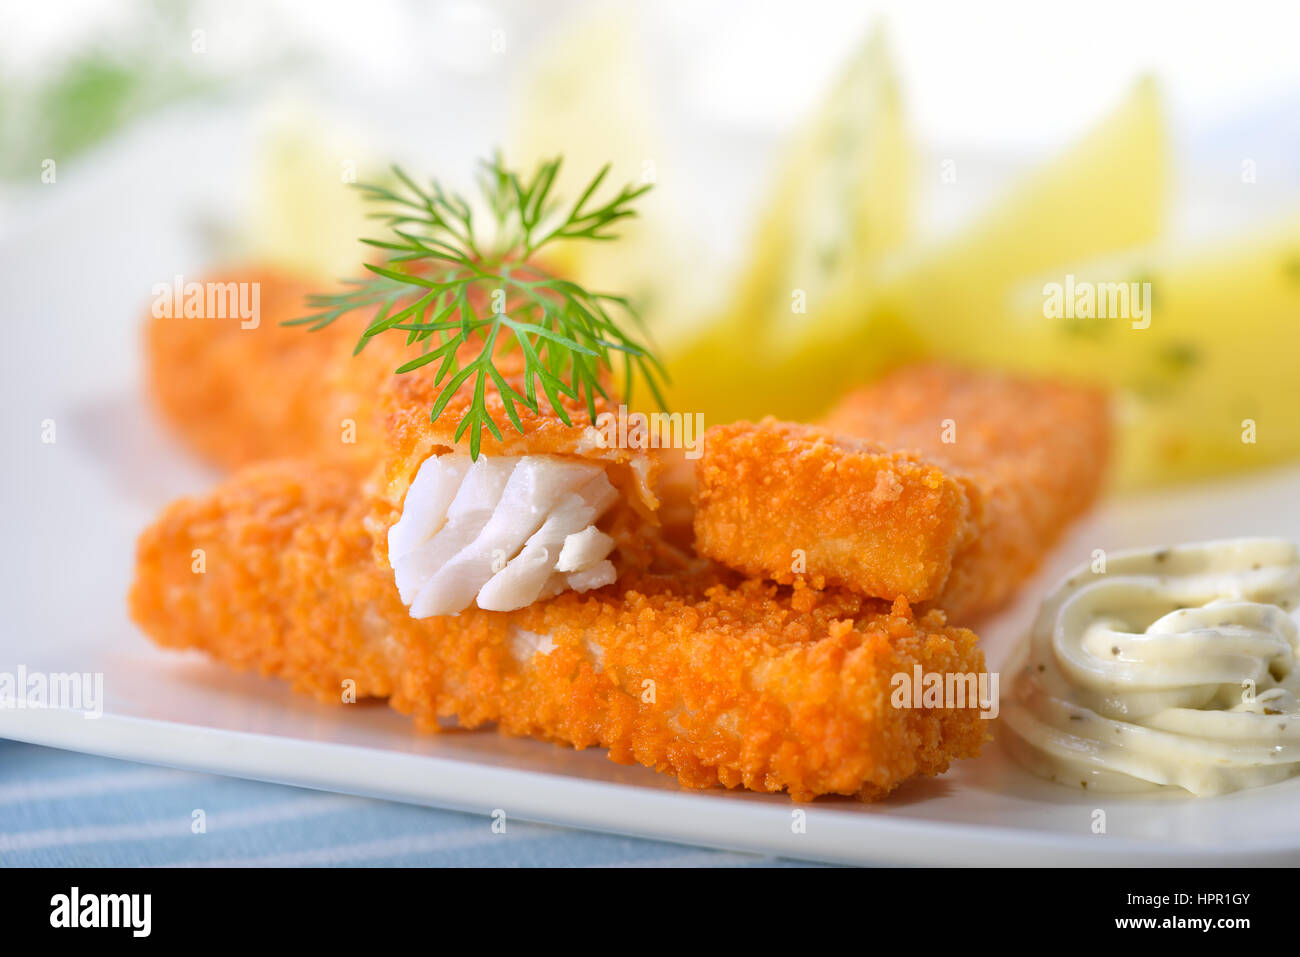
[{"x": 503, "y": 532}]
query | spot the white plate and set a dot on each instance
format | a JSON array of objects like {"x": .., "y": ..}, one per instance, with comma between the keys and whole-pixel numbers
[
  {"x": 73, "y": 508},
  {"x": 182, "y": 711}
]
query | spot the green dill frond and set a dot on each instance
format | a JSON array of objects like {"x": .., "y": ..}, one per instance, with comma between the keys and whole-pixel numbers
[{"x": 440, "y": 266}]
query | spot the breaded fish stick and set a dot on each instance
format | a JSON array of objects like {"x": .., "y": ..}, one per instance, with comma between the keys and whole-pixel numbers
[
  {"x": 1033, "y": 453},
  {"x": 546, "y": 507},
  {"x": 783, "y": 500},
  {"x": 242, "y": 391},
  {"x": 715, "y": 681}
]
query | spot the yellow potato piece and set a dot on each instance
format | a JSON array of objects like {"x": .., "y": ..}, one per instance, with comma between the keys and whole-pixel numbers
[
  {"x": 1108, "y": 192},
  {"x": 832, "y": 293},
  {"x": 844, "y": 198},
  {"x": 841, "y": 202},
  {"x": 878, "y": 307},
  {"x": 1218, "y": 354},
  {"x": 306, "y": 216},
  {"x": 586, "y": 98}
]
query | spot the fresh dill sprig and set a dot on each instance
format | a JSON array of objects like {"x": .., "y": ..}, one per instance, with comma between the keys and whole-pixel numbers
[{"x": 440, "y": 267}]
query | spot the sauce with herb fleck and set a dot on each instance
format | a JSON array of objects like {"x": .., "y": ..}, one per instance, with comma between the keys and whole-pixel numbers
[{"x": 1175, "y": 667}]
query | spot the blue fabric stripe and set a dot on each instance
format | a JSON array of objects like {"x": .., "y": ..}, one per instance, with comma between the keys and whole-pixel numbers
[{"x": 58, "y": 808}]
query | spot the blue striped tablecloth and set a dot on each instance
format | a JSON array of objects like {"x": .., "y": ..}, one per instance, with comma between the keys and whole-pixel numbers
[{"x": 58, "y": 808}]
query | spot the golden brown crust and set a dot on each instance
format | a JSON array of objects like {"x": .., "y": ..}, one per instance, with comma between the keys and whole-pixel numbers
[
  {"x": 237, "y": 395},
  {"x": 410, "y": 437},
  {"x": 715, "y": 680},
  {"x": 783, "y": 500},
  {"x": 1033, "y": 454},
  {"x": 212, "y": 571}
]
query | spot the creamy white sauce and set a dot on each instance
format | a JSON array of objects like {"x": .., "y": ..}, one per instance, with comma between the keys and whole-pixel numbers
[
  {"x": 1174, "y": 667},
  {"x": 501, "y": 532}
]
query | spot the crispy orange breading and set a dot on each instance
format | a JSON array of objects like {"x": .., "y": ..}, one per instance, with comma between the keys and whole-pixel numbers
[
  {"x": 237, "y": 395},
  {"x": 410, "y": 437},
  {"x": 713, "y": 679},
  {"x": 783, "y": 500},
  {"x": 1033, "y": 454}
]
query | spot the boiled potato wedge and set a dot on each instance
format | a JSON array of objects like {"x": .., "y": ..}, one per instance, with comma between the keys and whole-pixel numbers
[
  {"x": 842, "y": 201},
  {"x": 1108, "y": 192},
  {"x": 1207, "y": 378}
]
